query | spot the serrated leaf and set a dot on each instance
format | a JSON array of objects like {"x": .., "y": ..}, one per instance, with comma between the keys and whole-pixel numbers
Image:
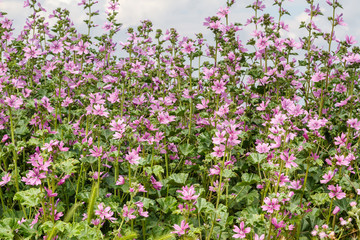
[
  {"x": 179, "y": 178},
  {"x": 320, "y": 198},
  {"x": 167, "y": 204},
  {"x": 29, "y": 198},
  {"x": 250, "y": 178},
  {"x": 186, "y": 149}
]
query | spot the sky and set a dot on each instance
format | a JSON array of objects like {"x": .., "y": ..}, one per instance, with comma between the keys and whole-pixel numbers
[{"x": 187, "y": 16}]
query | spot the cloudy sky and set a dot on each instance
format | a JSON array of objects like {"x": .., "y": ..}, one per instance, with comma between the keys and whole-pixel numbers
[{"x": 187, "y": 16}]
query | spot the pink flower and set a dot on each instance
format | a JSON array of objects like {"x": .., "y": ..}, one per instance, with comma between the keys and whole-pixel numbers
[
  {"x": 165, "y": 118},
  {"x": 157, "y": 185},
  {"x": 14, "y": 101},
  {"x": 188, "y": 47},
  {"x": 188, "y": 193},
  {"x": 327, "y": 177},
  {"x": 50, "y": 193},
  {"x": 271, "y": 205},
  {"x": 336, "y": 192},
  {"x": 96, "y": 151},
  {"x": 128, "y": 213},
  {"x": 340, "y": 140},
  {"x": 120, "y": 181},
  {"x": 33, "y": 177},
  {"x": 218, "y": 151},
  {"x": 104, "y": 213},
  {"x": 203, "y": 105},
  {"x": 295, "y": 185},
  {"x": 263, "y": 148},
  {"x": 56, "y": 47},
  {"x": 5, "y": 179},
  {"x": 220, "y": 137},
  {"x": 336, "y": 210},
  {"x": 354, "y": 123},
  {"x": 289, "y": 163},
  {"x": 100, "y": 110},
  {"x": 241, "y": 232},
  {"x": 223, "y": 12},
  {"x": 181, "y": 230},
  {"x": 256, "y": 237},
  {"x": 350, "y": 40},
  {"x": 142, "y": 212},
  {"x": 133, "y": 157},
  {"x": 315, "y": 124},
  {"x": 107, "y": 26},
  {"x": 219, "y": 86}
]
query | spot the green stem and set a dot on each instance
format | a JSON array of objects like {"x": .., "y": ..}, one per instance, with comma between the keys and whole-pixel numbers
[
  {"x": 328, "y": 218},
  {"x": 15, "y": 157}
]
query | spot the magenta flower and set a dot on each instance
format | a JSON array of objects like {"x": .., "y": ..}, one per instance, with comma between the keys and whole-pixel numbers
[
  {"x": 354, "y": 123},
  {"x": 33, "y": 177},
  {"x": 188, "y": 47},
  {"x": 336, "y": 192},
  {"x": 271, "y": 205},
  {"x": 295, "y": 185},
  {"x": 120, "y": 181},
  {"x": 241, "y": 232},
  {"x": 340, "y": 140},
  {"x": 315, "y": 124},
  {"x": 256, "y": 237},
  {"x": 219, "y": 87},
  {"x": 50, "y": 193},
  {"x": 96, "y": 151},
  {"x": 5, "y": 179},
  {"x": 108, "y": 26},
  {"x": 218, "y": 151},
  {"x": 164, "y": 118},
  {"x": 289, "y": 160},
  {"x": 157, "y": 185},
  {"x": 14, "y": 101},
  {"x": 100, "y": 110},
  {"x": 181, "y": 230},
  {"x": 220, "y": 137},
  {"x": 133, "y": 157},
  {"x": 104, "y": 213},
  {"x": 128, "y": 212},
  {"x": 188, "y": 193},
  {"x": 263, "y": 148}
]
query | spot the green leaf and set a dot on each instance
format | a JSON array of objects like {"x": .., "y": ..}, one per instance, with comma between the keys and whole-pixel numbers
[
  {"x": 167, "y": 204},
  {"x": 320, "y": 198},
  {"x": 228, "y": 173},
  {"x": 186, "y": 149},
  {"x": 6, "y": 232},
  {"x": 250, "y": 178},
  {"x": 68, "y": 166},
  {"x": 22, "y": 130},
  {"x": 29, "y": 198},
  {"x": 107, "y": 133},
  {"x": 203, "y": 205},
  {"x": 89, "y": 159},
  {"x": 179, "y": 178},
  {"x": 158, "y": 170},
  {"x": 256, "y": 158}
]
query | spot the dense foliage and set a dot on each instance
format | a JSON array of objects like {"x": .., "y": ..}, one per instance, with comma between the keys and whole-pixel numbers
[{"x": 170, "y": 137}]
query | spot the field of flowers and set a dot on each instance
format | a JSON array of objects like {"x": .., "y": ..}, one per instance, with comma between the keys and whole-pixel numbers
[{"x": 179, "y": 139}]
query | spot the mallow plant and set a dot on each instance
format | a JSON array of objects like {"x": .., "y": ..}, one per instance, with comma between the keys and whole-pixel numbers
[{"x": 162, "y": 136}]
